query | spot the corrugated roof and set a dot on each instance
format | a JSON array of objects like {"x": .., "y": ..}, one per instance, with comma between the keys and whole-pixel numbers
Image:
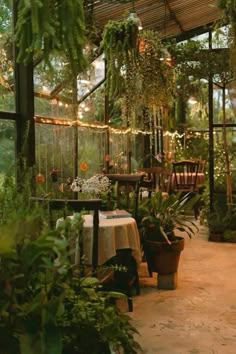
[{"x": 171, "y": 18}]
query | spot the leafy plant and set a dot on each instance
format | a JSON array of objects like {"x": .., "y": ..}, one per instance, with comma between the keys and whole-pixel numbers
[
  {"x": 163, "y": 215},
  {"x": 45, "y": 306},
  {"x": 120, "y": 46},
  {"x": 137, "y": 70},
  {"x": 44, "y": 27}
]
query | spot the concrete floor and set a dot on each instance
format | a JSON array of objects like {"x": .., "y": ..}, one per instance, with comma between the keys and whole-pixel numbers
[{"x": 199, "y": 317}]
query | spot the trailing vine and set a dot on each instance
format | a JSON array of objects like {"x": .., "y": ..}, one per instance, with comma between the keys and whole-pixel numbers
[
  {"x": 155, "y": 70},
  {"x": 120, "y": 46},
  {"x": 46, "y": 27},
  {"x": 135, "y": 69}
]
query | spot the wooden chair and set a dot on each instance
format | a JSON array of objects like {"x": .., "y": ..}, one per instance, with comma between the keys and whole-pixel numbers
[
  {"x": 158, "y": 178},
  {"x": 185, "y": 178},
  {"x": 185, "y": 175},
  {"x": 127, "y": 183},
  {"x": 150, "y": 180}
]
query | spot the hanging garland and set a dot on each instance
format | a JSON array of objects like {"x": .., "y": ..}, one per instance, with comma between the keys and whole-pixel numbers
[{"x": 45, "y": 26}]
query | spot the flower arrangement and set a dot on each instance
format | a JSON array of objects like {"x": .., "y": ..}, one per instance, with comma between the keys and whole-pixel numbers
[{"x": 94, "y": 186}]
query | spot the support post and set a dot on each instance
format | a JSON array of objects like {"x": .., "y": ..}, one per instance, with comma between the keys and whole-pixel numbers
[
  {"x": 25, "y": 125},
  {"x": 211, "y": 133}
]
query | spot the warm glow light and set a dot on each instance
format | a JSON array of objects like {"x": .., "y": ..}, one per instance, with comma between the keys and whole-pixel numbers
[
  {"x": 45, "y": 89},
  {"x": 192, "y": 100}
]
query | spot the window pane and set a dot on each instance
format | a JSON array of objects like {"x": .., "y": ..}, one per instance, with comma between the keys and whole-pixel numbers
[
  {"x": 7, "y": 147},
  {"x": 7, "y": 102}
]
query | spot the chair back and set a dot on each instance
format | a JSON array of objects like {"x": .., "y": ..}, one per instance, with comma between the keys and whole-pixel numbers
[
  {"x": 202, "y": 164},
  {"x": 185, "y": 175},
  {"x": 159, "y": 178},
  {"x": 73, "y": 205},
  {"x": 127, "y": 183}
]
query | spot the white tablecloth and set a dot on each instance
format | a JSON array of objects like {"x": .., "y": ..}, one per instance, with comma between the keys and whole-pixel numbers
[{"x": 114, "y": 234}]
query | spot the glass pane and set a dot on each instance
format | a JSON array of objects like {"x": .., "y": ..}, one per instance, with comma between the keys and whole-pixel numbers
[
  {"x": 7, "y": 101},
  {"x": 230, "y": 104},
  {"x": 53, "y": 108},
  {"x": 7, "y": 147},
  {"x": 118, "y": 152},
  {"x": 92, "y": 108},
  {"x": 220, "y": 161},
  {"x": 54, "y": 158},
  {"x": 53, "y": 91},
  {"x": 91, "y": 152},
  {"x": 94, "y": 75}
]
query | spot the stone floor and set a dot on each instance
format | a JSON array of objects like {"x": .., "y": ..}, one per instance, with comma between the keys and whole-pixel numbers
[{"x": 199, "y": 317}]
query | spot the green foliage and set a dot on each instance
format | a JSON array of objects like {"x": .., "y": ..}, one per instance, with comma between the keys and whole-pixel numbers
[
  {"x": 220, "y": 219},
  {"x": 194, "y": 60},
  {"x": 51, "y": 26},
  {"x": 5, "y": 16},
  {"x": 136, "y": 71},
  {"x": 162, "y": 215},
  {"x": 46, "y": 306},
  {"x": 120, "y": 46},
  {"x": 155, "y": 71}
]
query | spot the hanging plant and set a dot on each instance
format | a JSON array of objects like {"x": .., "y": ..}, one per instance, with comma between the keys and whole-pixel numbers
[
  {"x": 155, "y": 71},
  {"x": 45, "y": 27},
  {"x": 120, "y": 46},
  {"x": 135, "y": 71}
]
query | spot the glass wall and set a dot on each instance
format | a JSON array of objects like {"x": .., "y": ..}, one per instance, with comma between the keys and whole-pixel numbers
[
  {"x": 7, "y": 147},
  {"x": 7, "y": 102}
]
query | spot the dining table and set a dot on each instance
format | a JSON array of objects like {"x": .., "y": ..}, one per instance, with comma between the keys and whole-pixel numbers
[{"x": 114, "y": 234}]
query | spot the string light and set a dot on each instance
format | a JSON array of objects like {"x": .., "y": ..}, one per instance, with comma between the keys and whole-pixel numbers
[{"x": 114, "y": 130}]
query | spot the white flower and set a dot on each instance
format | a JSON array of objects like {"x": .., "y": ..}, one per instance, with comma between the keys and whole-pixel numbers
[
  {"x": 93, "y": 186},
  {"x": 77, "y": 184}
]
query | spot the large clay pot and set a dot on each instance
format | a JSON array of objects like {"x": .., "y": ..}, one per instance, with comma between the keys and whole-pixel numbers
[{"x": 162, "y": 257}]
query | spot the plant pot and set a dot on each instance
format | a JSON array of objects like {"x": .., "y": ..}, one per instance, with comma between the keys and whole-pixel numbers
[{"x": 162, "y": 257}]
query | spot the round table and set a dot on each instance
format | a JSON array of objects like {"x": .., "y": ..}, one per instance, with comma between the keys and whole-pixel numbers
[{"x": 114, "y": 234}]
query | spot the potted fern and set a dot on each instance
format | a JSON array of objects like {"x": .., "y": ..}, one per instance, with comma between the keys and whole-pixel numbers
[{"x": 165, "y": 216}]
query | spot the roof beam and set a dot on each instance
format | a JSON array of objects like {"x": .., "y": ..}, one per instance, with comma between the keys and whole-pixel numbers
[{"x": 173, "y": 15}]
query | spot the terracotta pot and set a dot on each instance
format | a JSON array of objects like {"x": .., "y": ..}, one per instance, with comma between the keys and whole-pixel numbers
[{"x": 162, "y": 257}]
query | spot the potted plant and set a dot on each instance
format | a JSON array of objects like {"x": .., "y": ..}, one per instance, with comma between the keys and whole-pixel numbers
[
  {"x": 221, "y": 222},
  {"x": 162, "y": 247},
  {"x": 45, "y": 306}
]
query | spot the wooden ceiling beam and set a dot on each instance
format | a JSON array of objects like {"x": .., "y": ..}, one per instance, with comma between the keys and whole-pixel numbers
[{"x": 173, "y": 15}]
